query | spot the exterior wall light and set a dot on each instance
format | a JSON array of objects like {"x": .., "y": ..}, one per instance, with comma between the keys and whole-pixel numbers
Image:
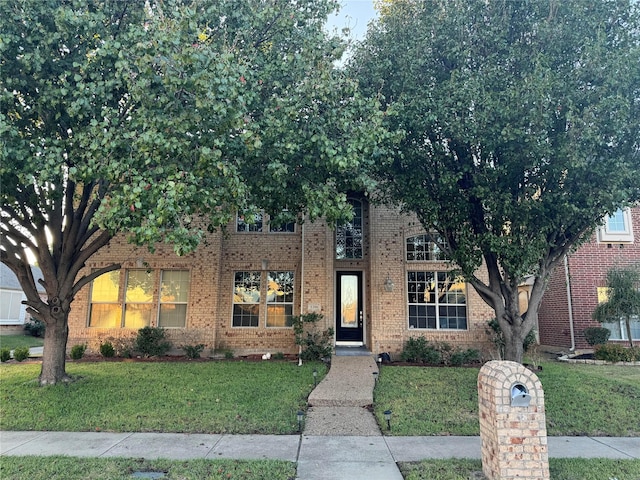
[{"x": 389, "y": 286}]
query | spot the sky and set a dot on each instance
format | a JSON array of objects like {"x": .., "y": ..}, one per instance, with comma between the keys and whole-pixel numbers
[{"x": 355, "y": 14}]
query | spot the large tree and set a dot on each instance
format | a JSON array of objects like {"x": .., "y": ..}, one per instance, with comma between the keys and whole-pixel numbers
[
  {"x": 159, "y": 120},
  {"x": 521, "y": 124}
]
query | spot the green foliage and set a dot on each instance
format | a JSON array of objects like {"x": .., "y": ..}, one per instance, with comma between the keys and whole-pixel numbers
[
  {"x": 20, "y": 354},
  {"x": 35, "y": 327},
  {"x": 596, "y": 335},
  {"x": 152, "y": 342},
  {"x": 228, "y": 354},
  {"x": 107, "y": 350},
  {"x": 315, "y": 344},
  {"x": 193, "y": 351},
  {"x": 513, "y": 115},
  {"x": 278, "y": 356},
  {"x": 624, "y": 297},
  {"x": 614, "y": 352},
  {"x": 419, "y": 350},
  {"x": 497, "y": 337},
  {"x": 161, "y": 123},
  {"x": 5, "y": 355},
  {"x": 77, "y": 351}
]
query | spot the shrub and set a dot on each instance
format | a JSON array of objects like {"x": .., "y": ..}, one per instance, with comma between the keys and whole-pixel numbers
[
  {"x": 107, "y": 350},
  {"x": 228, "y": 354},
  {"x": 21, "y": 353},
  {"x": 315, "y": 344},
  {"x": 596, "y": 335},
  {"x": 35, "y": 327},
  {"x": 278, "y": 356},
  {"x": 464, "y": 357},
  {"x": 193, "y": 351},
  {"x": 77, "y": 351},
  {"x": 614, "y": 352},
  {"x": 5, "y": 355},
  {"x": 417, "y": 349},
  {"x": 497, "y": 337},
  {"x": 152, "y": 342}
]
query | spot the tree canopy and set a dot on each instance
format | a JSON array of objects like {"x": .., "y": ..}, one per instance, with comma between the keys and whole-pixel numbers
[
  {"x": 160, "y": 119},
  {"x": 521, "y": 130}
]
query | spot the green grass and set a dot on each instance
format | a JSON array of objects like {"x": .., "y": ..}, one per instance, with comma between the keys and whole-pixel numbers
[
  {"x": 579, "y": 400},
  {"x": 199, "y": 397},
  {"x": 14, "y": 341},
  {"x": 559, "y": 469},
  {"x": 67, "y": 468}
]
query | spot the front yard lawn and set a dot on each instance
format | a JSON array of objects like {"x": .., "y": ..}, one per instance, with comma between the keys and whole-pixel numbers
[
  {"x": 192, "y": 397},
  {"x": 596, "y": 400},
  {"x": 15, "y": 341}
]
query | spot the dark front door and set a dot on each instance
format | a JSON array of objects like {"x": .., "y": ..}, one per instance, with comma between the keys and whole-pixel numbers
[{"x": 349, "y": 312}]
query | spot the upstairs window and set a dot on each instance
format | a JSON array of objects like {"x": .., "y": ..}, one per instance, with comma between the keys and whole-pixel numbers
[
  {"x": 423, "y": 248},
  {"x": 349, "y": 236},
  {"x": 244, "y": 225},
  {"x": 617, "y": 228}
]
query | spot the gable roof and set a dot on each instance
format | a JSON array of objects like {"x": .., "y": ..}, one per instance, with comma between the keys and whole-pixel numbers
[{"x": 8, "y": 280}]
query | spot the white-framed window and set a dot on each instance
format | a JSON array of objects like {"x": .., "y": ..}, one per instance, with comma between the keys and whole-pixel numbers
[
  {"x": 436, "y": 300},
  {"x": 250, "y": 303},
  {"x": 245, "y": 225},
  {"x": 12, "y": 311},
  {"x": 147, "y": 295},
  {"x": 617, "y": 227},
  {"x": 421, "y": 248}
]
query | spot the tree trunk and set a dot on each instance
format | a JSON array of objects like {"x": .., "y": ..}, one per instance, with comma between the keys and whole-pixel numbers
[
  {"x": 55, "y": 348},
  {"x": 627, "y": 322},
  {"x": 513, "y": 345}
]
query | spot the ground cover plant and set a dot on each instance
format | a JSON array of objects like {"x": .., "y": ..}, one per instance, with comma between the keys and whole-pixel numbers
[
  {"x": 559, "y": 468},
  {"x": 14, "y": 341},
  {"x": 67, "y": 468},
  {"x": 201, "y": 397},
  {"x": 579, "y": 400}
]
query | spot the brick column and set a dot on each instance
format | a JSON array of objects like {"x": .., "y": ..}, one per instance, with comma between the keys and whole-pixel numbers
[{"x": 514, "y": 438}]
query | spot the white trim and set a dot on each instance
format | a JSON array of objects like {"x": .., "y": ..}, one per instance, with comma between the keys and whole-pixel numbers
[{"x": 608, "y": 236}]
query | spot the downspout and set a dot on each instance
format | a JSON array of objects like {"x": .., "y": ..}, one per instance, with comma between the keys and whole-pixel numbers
[
  {"x": 569, "y": 304},
  {"x": 301, "y": 287}
]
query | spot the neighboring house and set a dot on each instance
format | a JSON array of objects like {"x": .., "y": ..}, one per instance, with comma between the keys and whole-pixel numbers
[
  {"x": 576, "y": 287},
  {"x": 377, "y": 281},
  {"x": 12, "y": 311}
]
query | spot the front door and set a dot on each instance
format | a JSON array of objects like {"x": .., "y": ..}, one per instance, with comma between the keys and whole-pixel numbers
[{"x": 349, "y": 307}]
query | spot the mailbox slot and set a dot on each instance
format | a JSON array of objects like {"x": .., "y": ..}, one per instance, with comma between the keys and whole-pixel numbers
[{"x": 520, "y": 396}]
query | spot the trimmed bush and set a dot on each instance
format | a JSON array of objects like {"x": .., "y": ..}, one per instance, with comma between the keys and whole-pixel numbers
[
  {"x": 35, "y": 327},
  {"x": 152, "y": 342},
  {"x": 615, "y": 352},
  {"x": 193, "y": 351},
  {"x": 107, "y": 350},
  {"x": 596, "y": 335},
  {"x": 20, "y": 354},
  {"x": 77, "y": 351},
  {"x": 5, "y": 355},
  {"x": 417, "y": 349}
]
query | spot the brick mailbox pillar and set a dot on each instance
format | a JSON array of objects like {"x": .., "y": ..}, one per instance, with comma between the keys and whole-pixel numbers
[{"x": 512, "y": 422}]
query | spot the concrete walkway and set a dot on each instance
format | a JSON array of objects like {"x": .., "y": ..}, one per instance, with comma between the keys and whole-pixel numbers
[{"x": 341, "y": 439}]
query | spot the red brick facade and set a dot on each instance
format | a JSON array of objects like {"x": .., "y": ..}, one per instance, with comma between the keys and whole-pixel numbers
[
  {"x": 309, "y": 253},
  {"x": 587, "y": 270}
]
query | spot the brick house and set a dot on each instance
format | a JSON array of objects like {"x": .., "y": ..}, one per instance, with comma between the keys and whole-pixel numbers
[
  {"x": 575, "y": 288},
  {"x": 376, "y": 281}
]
